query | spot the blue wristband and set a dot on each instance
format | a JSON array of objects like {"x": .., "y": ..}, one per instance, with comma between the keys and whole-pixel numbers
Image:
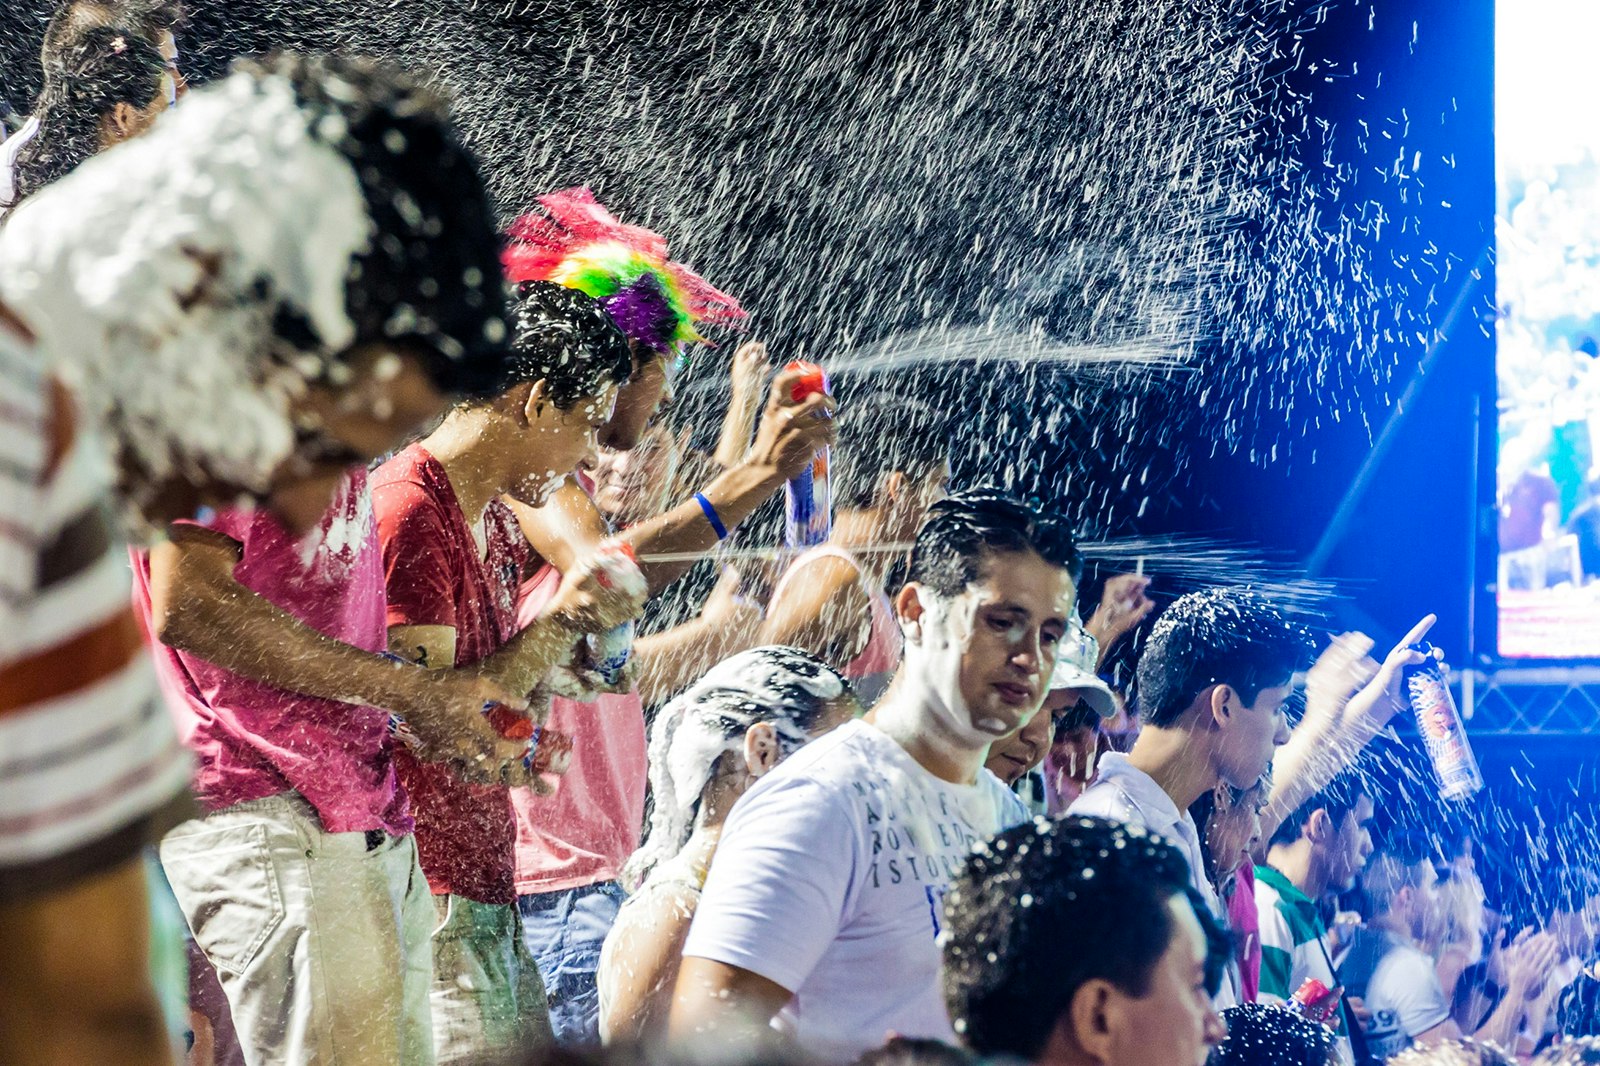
[{"x": 712, "y": 516}]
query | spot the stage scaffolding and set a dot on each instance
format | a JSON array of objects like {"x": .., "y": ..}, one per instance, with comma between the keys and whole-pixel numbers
[{"x": 1547, "y": 701}]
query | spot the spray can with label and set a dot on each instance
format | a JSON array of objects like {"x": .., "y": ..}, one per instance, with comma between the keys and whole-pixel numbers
[
  {"x": 808, "y": 517},
  {"x": 609, "y": 651},
  {"x": 1427, "y": 688}
]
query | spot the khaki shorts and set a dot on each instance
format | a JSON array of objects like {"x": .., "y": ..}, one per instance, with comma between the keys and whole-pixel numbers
[{"x": 320, "y": 940}]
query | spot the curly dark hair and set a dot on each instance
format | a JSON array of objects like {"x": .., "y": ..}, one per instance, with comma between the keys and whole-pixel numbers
[{"x": 566, "y": 339}]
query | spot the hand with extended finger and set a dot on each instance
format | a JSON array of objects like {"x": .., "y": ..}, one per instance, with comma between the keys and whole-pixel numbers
[{"x": 1370, "y": 710}]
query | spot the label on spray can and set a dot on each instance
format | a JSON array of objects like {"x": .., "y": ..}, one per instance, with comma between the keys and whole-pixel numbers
[
  {"x": 808, "y": 515},
  {"x": 609, "y": 651},
  {"x": 1443, "y": 733}
]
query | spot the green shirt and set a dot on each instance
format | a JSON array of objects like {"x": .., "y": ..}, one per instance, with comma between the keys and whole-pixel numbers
[{"x": 1292, "y": 950}]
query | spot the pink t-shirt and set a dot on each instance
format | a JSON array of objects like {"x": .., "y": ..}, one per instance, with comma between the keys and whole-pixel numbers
[
  {"x": 255, "y": 740},
  {"x": 1245, "y": 922},
  {"x": 585, "y": 831}
]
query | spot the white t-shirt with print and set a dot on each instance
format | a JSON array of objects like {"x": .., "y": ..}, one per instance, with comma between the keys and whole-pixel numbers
[{"x": 829, "y": 880}]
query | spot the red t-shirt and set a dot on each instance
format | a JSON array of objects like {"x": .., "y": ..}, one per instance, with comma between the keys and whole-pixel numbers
[{"x": 435, "y": 576}]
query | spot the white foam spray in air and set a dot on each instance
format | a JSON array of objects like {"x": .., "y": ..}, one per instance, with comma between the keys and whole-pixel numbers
[{"x": 153, "y": 272}]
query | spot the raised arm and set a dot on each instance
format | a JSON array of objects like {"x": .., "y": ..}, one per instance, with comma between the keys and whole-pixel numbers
[
  {"x": 789, "y": 436},
  {"x": 821, "y": 609},
  {"x": 744, "y": 403},
  {"x": 671, "y": 661},
  {"x": 1349, "y": 700}
]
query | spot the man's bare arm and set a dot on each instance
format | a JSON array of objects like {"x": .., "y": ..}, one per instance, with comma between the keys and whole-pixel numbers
[{"x": 727, "y": 1004}]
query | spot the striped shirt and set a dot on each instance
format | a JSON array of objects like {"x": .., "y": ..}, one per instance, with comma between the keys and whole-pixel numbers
[
  {"x": 87, "y": 751},
  {"x": 1292, "y": 948}
]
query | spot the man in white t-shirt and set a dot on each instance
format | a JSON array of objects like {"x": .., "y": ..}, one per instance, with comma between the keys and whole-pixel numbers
[
  {"x": 823, "y": 906},
  {"x": 1386, "y": 966},
  {"x": 1212, "y": 681}
]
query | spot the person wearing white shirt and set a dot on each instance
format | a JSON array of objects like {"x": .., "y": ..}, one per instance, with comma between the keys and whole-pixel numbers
[
  {"x": 1211, "y": 685},
  {"x": 822, "y": 908}
]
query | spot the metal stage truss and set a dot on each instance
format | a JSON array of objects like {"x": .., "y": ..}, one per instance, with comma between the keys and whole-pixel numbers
[{"x": 1549, "y": 701}]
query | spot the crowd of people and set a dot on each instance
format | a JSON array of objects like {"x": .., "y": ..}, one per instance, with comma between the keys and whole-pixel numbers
[{"x": 390, "y": 716}]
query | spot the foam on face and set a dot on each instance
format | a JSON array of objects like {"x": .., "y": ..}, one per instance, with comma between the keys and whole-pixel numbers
[
  {"x": 933, "y": 653},
  {"x": 153, "y": 272}
]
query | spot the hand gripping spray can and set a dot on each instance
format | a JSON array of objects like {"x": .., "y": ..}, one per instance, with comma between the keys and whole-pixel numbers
[
  {"x": 808, "y": 519},
  {"x": 1428, "y": 690},
  {"x": 609, "y": 651},
  {"x": 549, "y": 752}
]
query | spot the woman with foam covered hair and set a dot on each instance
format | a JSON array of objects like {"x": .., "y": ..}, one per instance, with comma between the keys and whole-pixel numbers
[{"x": 707, "y": 747}]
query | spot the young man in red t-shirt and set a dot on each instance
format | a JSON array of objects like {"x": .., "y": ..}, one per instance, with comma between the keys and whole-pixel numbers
[{"x": 453, "y": 558}]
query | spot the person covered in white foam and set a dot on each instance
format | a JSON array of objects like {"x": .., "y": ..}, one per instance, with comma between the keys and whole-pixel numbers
[
  {"x": 707, "y": 747},
  {"x": 823, "y": 906},
  {"x": 279, "y": 283}
]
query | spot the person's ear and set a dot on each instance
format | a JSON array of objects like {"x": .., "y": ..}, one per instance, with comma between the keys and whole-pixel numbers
[
  {"x": 1222, "y": 698},
  {"x": 122, "y": 122},
  {"x": 908, "y": 608},
  {"x": 1090, "y": 1021},
  {"x": 892, "y": 487},
  {"x": 1319, "y": 827},
  {"x": 538, "y": 396},
  {"x": 761, "y": 751}
]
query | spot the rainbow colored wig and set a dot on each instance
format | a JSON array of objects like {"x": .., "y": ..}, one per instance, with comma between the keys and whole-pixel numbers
[{"x": 576, "y": 242}]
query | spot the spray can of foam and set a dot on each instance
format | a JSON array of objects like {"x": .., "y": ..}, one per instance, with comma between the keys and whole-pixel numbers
[
  {"x": 609, "y": 651},
  {"x": 1427, "y": 689},
  {"x": 549, "y": 752},
  {"x": 808, "y": 518}
]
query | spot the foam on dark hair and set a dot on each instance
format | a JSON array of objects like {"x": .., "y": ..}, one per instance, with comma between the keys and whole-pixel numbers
[
  {"x": 1224, "y": 636},
  {"x": 1261, "y": 1034},
  {"x": 963, "y": 530},
  {"x": 566, "y": 339},
  {"x": 430, "y": 275},
  {"x": 1025, "y": 925}
]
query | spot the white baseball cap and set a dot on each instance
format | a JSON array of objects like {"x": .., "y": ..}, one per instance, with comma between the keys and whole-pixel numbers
[{"x": 1075, "y": 663}]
